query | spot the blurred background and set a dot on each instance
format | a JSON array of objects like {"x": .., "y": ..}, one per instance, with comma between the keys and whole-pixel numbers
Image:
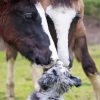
[
  {"x": 92, "y": 21},
  {"x": 23, "y": 80}
]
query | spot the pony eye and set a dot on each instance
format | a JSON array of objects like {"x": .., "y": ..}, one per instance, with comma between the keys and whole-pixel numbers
[{"x": 28, "y": 15}]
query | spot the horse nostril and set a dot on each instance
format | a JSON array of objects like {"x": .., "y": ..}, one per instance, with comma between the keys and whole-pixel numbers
[{"x": 54, "y": 72}]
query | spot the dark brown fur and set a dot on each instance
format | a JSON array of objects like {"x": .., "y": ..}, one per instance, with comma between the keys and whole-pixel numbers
[
  {"x": 77, "y": 38},
  {"x": 24, "y": 32},
  {"x": 78, "y": 44},
  {"x": 62, "y": 2}
]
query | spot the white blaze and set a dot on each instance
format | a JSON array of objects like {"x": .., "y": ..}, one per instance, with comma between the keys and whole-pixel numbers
[
  {"x": 41, "y": 11},
  {"x": 62, "y": 18}
]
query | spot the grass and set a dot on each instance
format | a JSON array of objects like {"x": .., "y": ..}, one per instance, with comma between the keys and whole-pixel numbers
[
  {"x": 92, "y": 8},
  {"x": 24, "y": 86}
]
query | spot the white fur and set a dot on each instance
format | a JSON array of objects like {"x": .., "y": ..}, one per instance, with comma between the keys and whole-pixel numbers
[
  {"x": 52, "y": 92},
  {"x": 41, "y": 11},
  {"x": 29, "y": 98},
  {"x": 54, "y": 83},
  {"x": 44, "y": 96},
  {"x": 62, "y": 18}
]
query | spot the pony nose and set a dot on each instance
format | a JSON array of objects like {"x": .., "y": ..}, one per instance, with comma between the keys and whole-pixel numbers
[
  {"x": 42, "y": 61},
  {"x": 43, "y": 57}
]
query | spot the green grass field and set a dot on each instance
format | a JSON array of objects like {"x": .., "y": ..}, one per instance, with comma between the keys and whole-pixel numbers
[
  {"x": 92, "y": 8},
  {"x": 24, "y": 86}
]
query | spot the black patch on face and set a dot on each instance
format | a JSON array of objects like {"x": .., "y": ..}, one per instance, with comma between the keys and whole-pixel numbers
[
  {"x": 52, "y": 29},
  {"x": 29, "y": 37}
]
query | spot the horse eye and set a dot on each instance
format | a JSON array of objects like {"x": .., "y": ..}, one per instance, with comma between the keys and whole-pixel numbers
[{"x": 28, "y": 15}]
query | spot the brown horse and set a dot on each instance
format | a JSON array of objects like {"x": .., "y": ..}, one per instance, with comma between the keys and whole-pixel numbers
[
  {"x": 70, "y": 36},
  {"x": 77, "y": 42},
  {"x": 22, "y": 31}
]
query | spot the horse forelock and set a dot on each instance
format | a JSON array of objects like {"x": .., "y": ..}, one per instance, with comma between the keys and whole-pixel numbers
[
  {"x": 2, "y": 2},
  {"x": 7, "y": 5},
  {"x": 31, "y": 1},
  {"x": 68, "y": 3}
]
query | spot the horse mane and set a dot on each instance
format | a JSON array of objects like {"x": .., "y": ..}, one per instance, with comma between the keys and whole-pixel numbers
[
  {"x": 2, "y": 2},
  {"x": 67, "y": 3},
  {"x": 6, "y": 5}
]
